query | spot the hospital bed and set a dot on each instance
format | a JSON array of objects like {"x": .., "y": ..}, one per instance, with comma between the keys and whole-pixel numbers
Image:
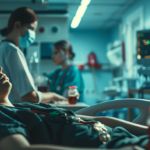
[
  {"x": 90, "y": 112},
  {"x": 142, "y": 104}
]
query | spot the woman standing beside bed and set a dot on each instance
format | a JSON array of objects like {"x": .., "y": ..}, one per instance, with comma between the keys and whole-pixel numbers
[
  {"x": 28, "y": 126},
  {"x": 20, "y": 32}
]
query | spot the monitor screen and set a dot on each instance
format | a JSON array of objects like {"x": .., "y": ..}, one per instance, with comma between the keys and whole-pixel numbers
[
  {"x": 46, "y": 50},
  {"x": 143, "y": 44}
]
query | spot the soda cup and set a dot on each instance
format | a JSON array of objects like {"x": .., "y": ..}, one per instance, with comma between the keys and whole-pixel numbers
[{"x": 72, "y": 95}]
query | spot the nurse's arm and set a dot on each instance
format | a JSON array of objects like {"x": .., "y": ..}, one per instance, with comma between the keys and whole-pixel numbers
[
  {"x": 30, "y": 97},
  {"x": 47, "y": 97},
  {"x": 19, "y": 142}
]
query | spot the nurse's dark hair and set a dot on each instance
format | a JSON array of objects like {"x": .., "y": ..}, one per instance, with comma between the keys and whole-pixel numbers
[
  {"x": 65, "y": 45},
  {"x": 23, "y": 14}
]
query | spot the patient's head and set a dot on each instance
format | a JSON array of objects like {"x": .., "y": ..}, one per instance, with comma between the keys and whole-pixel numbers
[{"x": 5, "y": 85}]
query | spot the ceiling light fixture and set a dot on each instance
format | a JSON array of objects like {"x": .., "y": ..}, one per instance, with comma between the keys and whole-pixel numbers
[
  {"x": 80, "y": 12},
  {"x": 75, "y": 22},
  {"x": 85, "y": 2}
]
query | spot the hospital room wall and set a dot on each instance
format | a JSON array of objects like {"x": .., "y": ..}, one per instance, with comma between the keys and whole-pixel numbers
[
  {"x": 146, "y": 12},
  {"x": 145, "y": 4},
  {"x": 115, "y": 35},
  {"x": 83, "y": 43}
]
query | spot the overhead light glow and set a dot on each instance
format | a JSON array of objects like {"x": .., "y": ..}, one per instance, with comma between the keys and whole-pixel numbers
[
  {"x": 85, "y": 2},
  {"x": 81, "y": 10},
  {"x": 75, "y": 22}
]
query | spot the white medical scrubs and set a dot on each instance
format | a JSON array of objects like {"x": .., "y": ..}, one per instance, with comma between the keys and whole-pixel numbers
[{"x": 14, "y": 65}]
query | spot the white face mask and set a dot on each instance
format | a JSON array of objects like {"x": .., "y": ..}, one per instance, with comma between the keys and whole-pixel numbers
[{"x": 65, "y": 57}]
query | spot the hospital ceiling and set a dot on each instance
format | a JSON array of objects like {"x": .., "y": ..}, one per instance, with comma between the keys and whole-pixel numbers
[{"x": 100, "y": 14}]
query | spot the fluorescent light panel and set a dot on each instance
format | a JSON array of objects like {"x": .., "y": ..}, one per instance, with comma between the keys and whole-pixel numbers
[
  {"x": 75, "y": 22},
  {"x": 85, "y": 2},
  {"x": 80, "y": 12}
]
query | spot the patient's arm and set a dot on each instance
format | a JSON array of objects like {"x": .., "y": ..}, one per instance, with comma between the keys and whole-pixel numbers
[
  {"x": 16, "y": 142},
  {"x": 19, "y": 142},
  {"x": 133, "y": 128}
]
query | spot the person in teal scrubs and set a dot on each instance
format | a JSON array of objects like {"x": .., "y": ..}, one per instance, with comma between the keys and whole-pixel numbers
[{"x": 66, "y": 74}]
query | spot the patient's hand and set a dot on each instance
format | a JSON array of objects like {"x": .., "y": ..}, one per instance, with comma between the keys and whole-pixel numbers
[{"x": 5, "y": 85}]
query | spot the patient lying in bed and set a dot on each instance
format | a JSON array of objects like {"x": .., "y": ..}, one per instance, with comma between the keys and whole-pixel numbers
[{"x": 28, "y": 126}]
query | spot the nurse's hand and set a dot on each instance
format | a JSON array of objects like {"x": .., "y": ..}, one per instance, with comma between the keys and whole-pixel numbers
[
  {"x": 78, "y": 95},
  {"x": 50, "y": 97},
  {"x": 57, "y": 97},
  {"x": 5, "y": 85}
]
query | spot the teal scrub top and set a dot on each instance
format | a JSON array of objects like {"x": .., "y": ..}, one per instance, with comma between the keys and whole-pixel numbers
[{"x": 72, "y": 77}]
